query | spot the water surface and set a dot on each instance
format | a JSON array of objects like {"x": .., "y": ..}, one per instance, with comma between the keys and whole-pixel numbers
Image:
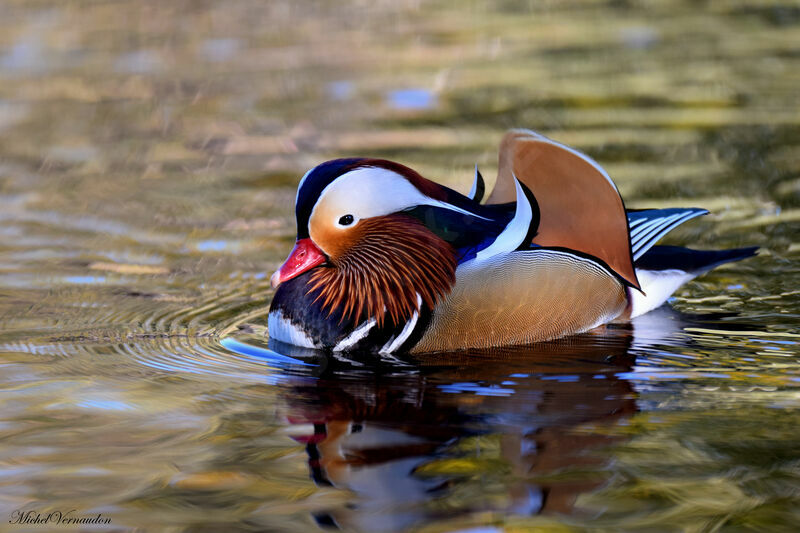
[{"x": 149, "y": 155}]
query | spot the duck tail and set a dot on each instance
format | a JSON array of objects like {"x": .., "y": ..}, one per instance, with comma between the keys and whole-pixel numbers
[
  {"x": 663, "y": 269},
  {"x": 695, "y": 262}
]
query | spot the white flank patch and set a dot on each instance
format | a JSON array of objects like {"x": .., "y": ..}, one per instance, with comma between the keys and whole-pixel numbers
[
  {"x": 516, "y": 230},
  {"x": 658, "y": 285},
  {"x": 408, "y": 329},
  {"x": 281, "y": 329},
  {"x": 357, "y": 334}
]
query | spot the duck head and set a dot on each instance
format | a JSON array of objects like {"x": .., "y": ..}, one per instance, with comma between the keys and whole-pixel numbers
[{"x": 362, "y": 235}]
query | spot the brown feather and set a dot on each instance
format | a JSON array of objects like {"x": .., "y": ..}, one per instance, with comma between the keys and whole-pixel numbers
[
  {"x": 386, "y": 264},
  {"x": 579, "y": 208}
]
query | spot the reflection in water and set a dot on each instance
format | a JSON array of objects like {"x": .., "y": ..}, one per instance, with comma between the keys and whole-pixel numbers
[
  {"x": 401, "y": 438},
  {"x": 517, "y": 431},
  {"x": 149, "y": 159}
]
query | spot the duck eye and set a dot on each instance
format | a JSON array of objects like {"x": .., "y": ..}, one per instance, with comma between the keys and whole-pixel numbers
[{"x": 345, "y": 220}]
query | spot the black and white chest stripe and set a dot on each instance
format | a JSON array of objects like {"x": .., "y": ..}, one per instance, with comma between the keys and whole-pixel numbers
[
  {"x": 365, "y": 337},
  {"x": 398, "y": 337},
  {"x": 295, "y": 318}
]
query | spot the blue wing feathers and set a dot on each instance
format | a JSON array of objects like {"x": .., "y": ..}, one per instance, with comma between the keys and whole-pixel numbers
[{"x": 648, "y": 226}]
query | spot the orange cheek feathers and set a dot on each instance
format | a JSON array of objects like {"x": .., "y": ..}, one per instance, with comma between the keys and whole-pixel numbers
[{"x": 333, "y": 241}]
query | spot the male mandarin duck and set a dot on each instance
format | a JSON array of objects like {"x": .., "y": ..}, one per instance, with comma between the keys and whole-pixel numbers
[{"x": 388, "y": 261}]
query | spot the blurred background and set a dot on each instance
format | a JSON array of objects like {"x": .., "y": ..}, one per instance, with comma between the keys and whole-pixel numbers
[{"x": 149, "y": 154}]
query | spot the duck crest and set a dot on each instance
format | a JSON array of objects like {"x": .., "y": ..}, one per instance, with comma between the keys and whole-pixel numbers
[{"x": 394, "y": 259}]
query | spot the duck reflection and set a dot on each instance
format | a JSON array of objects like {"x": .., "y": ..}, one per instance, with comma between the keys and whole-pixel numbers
[{"x": 515, "y": 430}]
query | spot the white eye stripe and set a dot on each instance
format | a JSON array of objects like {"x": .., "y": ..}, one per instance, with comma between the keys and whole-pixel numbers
[
  {"x": 368, "y": 192},
  {"x": 451, "y": 207}
]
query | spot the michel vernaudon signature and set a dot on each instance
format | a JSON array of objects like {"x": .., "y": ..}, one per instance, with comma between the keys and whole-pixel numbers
[{"x": 56, "y": 518}]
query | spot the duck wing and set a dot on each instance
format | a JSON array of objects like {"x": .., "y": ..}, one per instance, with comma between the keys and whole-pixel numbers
[
  {"x": 648, "y": 226},
  {"x": 580, "y": 209},
  {"x": 513, "y": 292}
]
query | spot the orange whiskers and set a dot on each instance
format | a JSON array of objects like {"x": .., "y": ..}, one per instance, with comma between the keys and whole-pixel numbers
[{"x": 380, "y": 274}]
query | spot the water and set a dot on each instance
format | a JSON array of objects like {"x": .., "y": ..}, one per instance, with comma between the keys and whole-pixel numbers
[{"x": 148, "y": 159}]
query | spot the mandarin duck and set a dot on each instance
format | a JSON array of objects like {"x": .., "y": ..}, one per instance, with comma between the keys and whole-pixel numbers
[{"x": 388, "y": 261}]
